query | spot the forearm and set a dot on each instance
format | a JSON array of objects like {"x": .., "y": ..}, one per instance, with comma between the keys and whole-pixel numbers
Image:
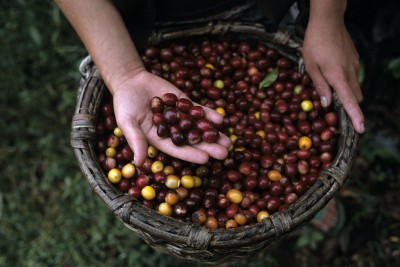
[
  {"x": 106, "y": 38},
  {"x": 327, "y": 10}
]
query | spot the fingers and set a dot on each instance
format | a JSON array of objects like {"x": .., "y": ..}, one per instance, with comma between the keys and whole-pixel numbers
[
  {"x": 213, "y": 116},
  {"x": 349, "y": 102},
  {"x": 209, "y": 113},
  {"x": 137, "y": 141},
  {"x": 347, "y": 89},
  {"x": 224, "y": 140},
  {"x": 187, "y": 153},
  {"x": 320, "y": 84},
  {"x": 355, "y": 86},
  {"x": 199, "y": 153},
  {"x": 214, "y": 150}
]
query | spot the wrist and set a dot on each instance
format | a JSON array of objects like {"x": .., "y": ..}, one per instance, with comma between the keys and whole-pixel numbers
[{"x": 124, "y": 75}]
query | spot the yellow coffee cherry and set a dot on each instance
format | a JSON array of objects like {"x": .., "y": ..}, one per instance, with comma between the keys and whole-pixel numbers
[
  {"x": 240, "y": 218},
  {"x": 172, "y": 181},
  {"x": 209, "y": 65},
  {"x": 197, "y": 181},
  {"x": 231, "y": 223},
  {"x": 233, "y": 138},
  {"x": 187, "y": 181},
  {"x": 219, "y": 84},
  {"x": 261, "y": 215},
  {"x": 220, "y": 110},
  {"x": 157, "y": 166},
  {"x": 298, "y": 89},
  {"x": 274, "y": 175},
  {"x": 261, "y": 133},
  {"x": 169, "y": 170},
  {"x": 111, "y": 152},
  {"x": 231, "y": 148},
  {"x": 128, "y": 171},
  {"x": 199, "y": 216},
  {"x": 257, "y": 115},
  {"x": 114, "y": 175},
  {"x": 118, "y": 132},
  {"x": 152, "y": 151},
  {"x": 165, "y": 209},
  {"x": 148, "y": 192},
  {"x": 234, "y": 195},
  {"x": 306, "y": 105},
  {"x": 305, "y": 142},
  {"x": 172, "y": 197},
  {"x": 211, "y": 222}
]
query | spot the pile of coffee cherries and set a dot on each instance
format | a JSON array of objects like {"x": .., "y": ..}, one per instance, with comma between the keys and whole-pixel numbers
[
  {"x": 182, "y": 121},
  {"x": 281, "y": 136}
]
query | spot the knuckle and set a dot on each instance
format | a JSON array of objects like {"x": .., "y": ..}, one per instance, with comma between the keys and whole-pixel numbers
[
  {"x": 349, "y": 102},
  {"x": 321, "y": 87},
  {"x": 336, "y": 74}
]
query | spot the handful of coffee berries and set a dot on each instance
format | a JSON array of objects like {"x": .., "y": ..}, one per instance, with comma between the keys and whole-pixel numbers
[{"x": 181, "y": 121}]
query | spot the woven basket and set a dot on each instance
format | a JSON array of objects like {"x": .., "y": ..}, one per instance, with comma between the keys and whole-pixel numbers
[{"x": 193, "y": 241}]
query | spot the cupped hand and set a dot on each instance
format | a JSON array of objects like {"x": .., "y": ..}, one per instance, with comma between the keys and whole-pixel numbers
[
  {"x": 332, "y": 62},
  {"x": 134, "y": 117}
]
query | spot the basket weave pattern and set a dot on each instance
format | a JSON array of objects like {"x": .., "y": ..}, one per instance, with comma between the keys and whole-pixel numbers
[{"x": 193, "y": 241}]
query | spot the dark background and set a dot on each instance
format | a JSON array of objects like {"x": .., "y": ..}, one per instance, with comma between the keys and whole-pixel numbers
[{"x": 49, "y": 216}]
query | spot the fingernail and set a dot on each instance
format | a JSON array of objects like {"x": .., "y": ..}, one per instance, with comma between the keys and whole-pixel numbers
[
  {"x": 324, "y": 101},
  {"x": 362, "y": 127}
]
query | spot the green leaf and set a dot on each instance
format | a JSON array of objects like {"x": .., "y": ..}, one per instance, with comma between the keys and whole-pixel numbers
[
  {"x": 269, "y": 79},
  {"x": 35, "y": 35},
  {"x": 310, "y": 237},
  {"x": 394, "y": 67},
  {"x": 302, "y": 241}
]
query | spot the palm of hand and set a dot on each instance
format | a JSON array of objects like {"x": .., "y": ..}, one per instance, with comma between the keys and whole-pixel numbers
[{"x": 134, "y": 117}]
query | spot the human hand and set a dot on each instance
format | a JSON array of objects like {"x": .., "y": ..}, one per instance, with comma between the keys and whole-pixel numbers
[
  {"x": 113, "y": 51},
  {"x": 133, "y": 114},
  {"x": 332, "y": 61}
]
